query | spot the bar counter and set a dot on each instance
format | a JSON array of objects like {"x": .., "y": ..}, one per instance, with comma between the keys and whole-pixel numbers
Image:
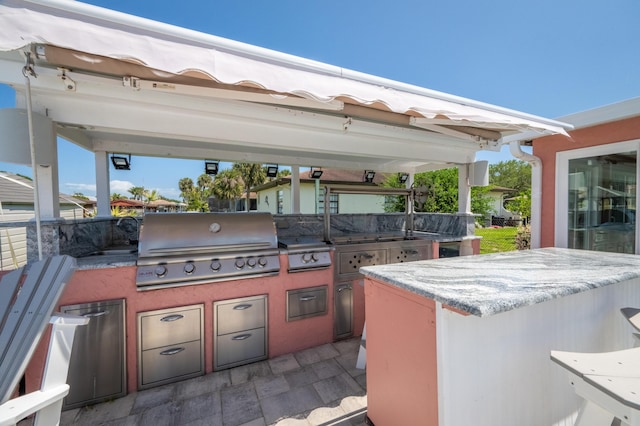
[{"x": 466, "y": 340}]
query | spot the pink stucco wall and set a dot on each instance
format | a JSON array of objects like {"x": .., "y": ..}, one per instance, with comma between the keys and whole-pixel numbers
[
  {"x": 546, "y": 149},
  {"x": 402, "y": 378},
  {"x": 284, "y": 337}
]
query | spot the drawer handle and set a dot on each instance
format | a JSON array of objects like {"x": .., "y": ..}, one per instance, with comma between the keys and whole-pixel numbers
[
  {"x": 95, "y": 314},
  {"x": 412, "y": 251},
  {"x": 241, "y": 337},
  {"x": 242, "y": 307},
  {"x": 170, "y": 318},
  {"x": 172, "y": 351},
  {"x": 344, "y": 288},
  {"x": 307, "y": 298},
  {"x": 366, "y": 256}
]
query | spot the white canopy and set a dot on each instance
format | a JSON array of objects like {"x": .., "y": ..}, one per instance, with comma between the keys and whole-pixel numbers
[{"x": 117, "y": 83}]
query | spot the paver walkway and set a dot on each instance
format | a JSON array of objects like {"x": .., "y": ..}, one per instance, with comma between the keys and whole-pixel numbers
[{"x": 316, "y": 386}]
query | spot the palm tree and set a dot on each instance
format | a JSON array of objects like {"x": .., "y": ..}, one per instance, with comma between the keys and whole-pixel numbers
[
  {"x": 252, "y": 174},
  {"x": 137, "y": 192},
  {"x": 228, "y": 185},
  {"x": 115, "y": 196}
]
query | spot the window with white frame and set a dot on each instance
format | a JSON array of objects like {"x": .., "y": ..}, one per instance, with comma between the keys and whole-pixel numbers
[
  {"x": 333, "y": 204},
  {"x": 596, "y": 198}
]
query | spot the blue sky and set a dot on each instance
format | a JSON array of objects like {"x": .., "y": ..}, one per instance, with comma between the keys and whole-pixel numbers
[{"x": 545, "y": 57}]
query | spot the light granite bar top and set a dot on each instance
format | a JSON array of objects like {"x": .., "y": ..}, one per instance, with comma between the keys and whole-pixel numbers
[{"x": 489, "y": 284}]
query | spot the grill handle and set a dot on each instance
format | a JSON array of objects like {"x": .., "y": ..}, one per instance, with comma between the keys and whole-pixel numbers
[
  {"x": 172, "y": 351},
  {"x": 171, "y": 318},
  {"x": 242, "y": 307},
  {"x": 95, "y": 314},
  {"x": 307, "y": 298},
  {"x": 241, "y": 337}
]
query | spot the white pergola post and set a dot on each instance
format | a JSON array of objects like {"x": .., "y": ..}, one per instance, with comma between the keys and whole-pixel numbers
[
  {"x": 103, "y": 195},
  {"x": 464, "y": 189},
  {"x": 295, "y": 189}
]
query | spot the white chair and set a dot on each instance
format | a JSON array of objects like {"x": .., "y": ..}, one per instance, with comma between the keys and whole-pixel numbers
[
  {"x": 609, "y": 383},
  {"x": 27, "y": 300}
]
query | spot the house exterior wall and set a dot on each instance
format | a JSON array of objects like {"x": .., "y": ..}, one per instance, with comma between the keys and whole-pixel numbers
[
  {"x": 548, "y": 147},
  {"x": 347, "y": 203}
]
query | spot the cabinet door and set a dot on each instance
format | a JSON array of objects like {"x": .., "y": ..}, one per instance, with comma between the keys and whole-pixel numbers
[
  {"x": 171, "y": 363},
  {"x": 239, "y": 314},
  {"x": 343, "y": 320},
  {"x": 240, "y": 348},
  {"x": 169, "y": 326},
  {"x": 97, "y": 367}
]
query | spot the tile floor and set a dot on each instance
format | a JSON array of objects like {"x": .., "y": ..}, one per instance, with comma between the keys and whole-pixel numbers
[{"x": 316, "y": 386}]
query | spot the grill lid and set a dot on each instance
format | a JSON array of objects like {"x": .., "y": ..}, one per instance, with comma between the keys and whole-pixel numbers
[{"x": 178, "y": 234}]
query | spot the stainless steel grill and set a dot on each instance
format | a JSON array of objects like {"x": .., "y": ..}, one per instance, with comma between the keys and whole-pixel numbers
[{"x": 192, "y": 248}]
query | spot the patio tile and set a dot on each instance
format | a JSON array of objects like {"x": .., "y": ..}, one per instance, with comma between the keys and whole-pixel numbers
[
  {"x": 316, "y": 354},
  {"x": 123, "y": 421},
  {"x": 283, "y": 363},
  {"x": 256, "y": 422},
  {"x": 289, "y": 404},
  {"x": 348, "y": 362},
  {"x": 327, "y": 368},
  {"x": 348, "y": 346},
  {"x": 204, "y": 384},
  {"x": 246, "y": 373},
  {"x": 160, "y": 415},
  {"x": 334, "y": 389},
  {"x": 239, "y": 404},
  {"x": 272, "y": 385},
  {"x": 301, "y": 377},
  {"x": 207, "y": 406},
  {"x": 107, "y": 411},
  {"x": 152, "y": 397}
]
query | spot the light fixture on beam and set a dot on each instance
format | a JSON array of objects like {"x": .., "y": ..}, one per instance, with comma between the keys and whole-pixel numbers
[
  {"x": 403, "y": 177},
  {"x": 121, "y": 162},
  {"x": 211, "y": 167},
  {"x": 272, "y": 170},
  {"x": 315, "y": 173},
  {"x": 369, "y": 175}
]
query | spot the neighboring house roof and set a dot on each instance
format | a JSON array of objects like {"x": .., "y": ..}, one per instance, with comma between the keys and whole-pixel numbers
[
  {"x": 160, "y": 203},
  {"x": 125, "y": 202},
  {"x": 15, "y": 189},
  {"x": 329, "y": 177}
]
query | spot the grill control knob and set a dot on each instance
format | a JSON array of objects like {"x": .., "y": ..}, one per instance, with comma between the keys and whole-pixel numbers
[
  {"x": 306, "y": 258},
  {"x": 251, "y": 262},
  {"x": 160, "y": 271},
  {"x": 215, "y": 265},
  {"x": 314, "y": 257},
  {"x": 239, "y": 263},
  {"x": 262, "y": 262},
  {"x": 189, "y": 268}
]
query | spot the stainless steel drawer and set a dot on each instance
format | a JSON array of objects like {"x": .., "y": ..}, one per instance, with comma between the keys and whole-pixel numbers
[
  {"x": 239, "y": 314},
  {"x": 171, "y": 363},
  {"x": 306, "y": 302},
  {"x": 240, "y": 348},
  {"x": 169, "y": 326}
]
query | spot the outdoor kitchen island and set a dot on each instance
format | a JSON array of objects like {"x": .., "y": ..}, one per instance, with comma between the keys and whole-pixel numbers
[{"x": 466, "y": 340}]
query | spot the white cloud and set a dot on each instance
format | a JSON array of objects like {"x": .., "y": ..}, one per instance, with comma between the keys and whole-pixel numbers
[
  {"x": 121, "y": 186},
  {"x": 84, "y": 188}
]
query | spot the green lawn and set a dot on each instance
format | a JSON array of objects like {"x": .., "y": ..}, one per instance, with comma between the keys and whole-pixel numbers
[{"x": 497, "y": 239}]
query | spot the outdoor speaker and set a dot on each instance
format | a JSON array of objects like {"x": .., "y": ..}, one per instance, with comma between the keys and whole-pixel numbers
[{"x": 479, "y": 173}]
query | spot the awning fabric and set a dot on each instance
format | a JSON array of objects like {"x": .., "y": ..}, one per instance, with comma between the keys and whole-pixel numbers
[{"x": 93, "y": 34}]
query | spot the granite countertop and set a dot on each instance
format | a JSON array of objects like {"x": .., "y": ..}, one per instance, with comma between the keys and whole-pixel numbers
[{"x": 485, "y": 285}]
